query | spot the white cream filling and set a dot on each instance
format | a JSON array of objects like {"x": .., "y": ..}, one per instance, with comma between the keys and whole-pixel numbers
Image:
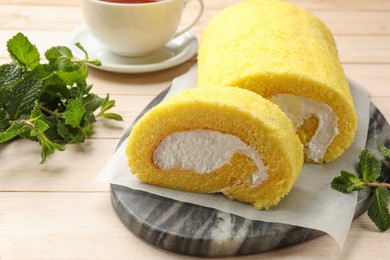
[
  {"x": 204, "y": 151},
  {"x": 298, "y": 109}
]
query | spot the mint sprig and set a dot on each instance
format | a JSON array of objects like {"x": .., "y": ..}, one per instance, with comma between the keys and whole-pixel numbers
[
  {"x": 369, "y": 175},
  {"x": 49, "y": 103}
]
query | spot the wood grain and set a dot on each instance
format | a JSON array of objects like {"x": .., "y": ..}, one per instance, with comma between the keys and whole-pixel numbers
[
  {"x": 67, "y": 18},
  {"x": 56, "y": 210},
  {"x": 74, "y": 225}
]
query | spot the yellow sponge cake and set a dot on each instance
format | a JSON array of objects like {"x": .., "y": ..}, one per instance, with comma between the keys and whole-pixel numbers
[
  {"x": 287, "y": 55},
  {"x": 218, "y": 139}
]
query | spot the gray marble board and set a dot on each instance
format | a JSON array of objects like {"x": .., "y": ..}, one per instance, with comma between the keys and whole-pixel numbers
[{"x": 191, "y": 229}]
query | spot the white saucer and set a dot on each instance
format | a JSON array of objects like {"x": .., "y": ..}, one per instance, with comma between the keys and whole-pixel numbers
[{"x": 176, "y": 51}]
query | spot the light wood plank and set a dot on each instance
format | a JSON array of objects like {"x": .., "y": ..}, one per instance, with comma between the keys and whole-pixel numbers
[
  {"x": 41, "y": 2},
  {"x": 320, "y": 4},
  {"x": 73, "y": 218},
  {"x": 375, "y": 78},
  {"x": 356, "y": 22},
  {"x": 75, "y": 169},
  {"x": 82, "y": 225},
  {"x": 67, "y": 226},
  {"x": 351, "y": 22},
  {"x": 383, "y": 104},
  {"x": 67, "y": 18},
  {"x": 363, "y": 49},
  {"x": 352, "y": 48},
  {"x": 218, "y": 4},
  {"x": 36, "y": 17},
  {"x": 137, "y": 84}
]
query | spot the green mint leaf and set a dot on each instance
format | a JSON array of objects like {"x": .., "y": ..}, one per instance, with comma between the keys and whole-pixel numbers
[
  {"x": 4, "y": 120},
  {"x": 113, "y": 116},
  {"x": 73, "y": 74},
  {"x": 93, "y": 62},
  {"x": 54, "y": 89},
  {"x": 92, "y": 102},
  {"x": 107, "y": 104},
  {"x": 48, "y": 147},
  {"x": 77, "y": 137},
  {"x": 43, "y": 71},
  {"x": 347, "y": 183},
  {"x": 23, "y": 51},
  {"x": 49, "y": 101},
  {"x": 75, "y": 111},
  {"x": 9, "y": 75},
  {"x": 14, "y": 130},
  {"x": 78, "y": 45},
  {"x": 36, "y": 112},
  {"x": 63, "y": 131},
  {"x": 368, "y": 168},
  {"x": 59, "y": 57},
  {"x": 384, "y": 150},
  {"x": 39, "y": 127},
  {"x": 87, "y": 129},
  {"x": 23, "y": 96},
  {"x": 37, "y": 119},
  {"x": 379, "y": 208}
]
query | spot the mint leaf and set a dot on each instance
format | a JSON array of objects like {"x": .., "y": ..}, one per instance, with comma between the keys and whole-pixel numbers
[
  {"x": 75, "y": 111},
  {"x": 368, "y": 168},
  {"x": 78, "y": 45},
  {"x": 379, "y": 209},
  {"x": 9, "y": 75},
  {"x": 347, "y": 183},
  {"x": 39, "y": 127},
  {"x": 4, "y": 120},
  {"x": 14, "y": 130},
  {"x": 113, "y": 116},
  {"x": 23, "y": 51},
  {"x": 93, "y": 62},
  {"x": 384, "y": 150},
  {"x": 48, "y": 102},
  {"x": 23, "y": 97},
  {"x": 59, "y": 57},
  {"x": 92, "y": 102},
  {"x": 106, "y": 105},
  {"x": 48, "y": 147},
  {"x": 42, "y": 71},
  {"x": 73, "y": 74}
]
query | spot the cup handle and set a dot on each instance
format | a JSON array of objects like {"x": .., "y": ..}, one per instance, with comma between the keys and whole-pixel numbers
[{"x": 193, "y": 22}]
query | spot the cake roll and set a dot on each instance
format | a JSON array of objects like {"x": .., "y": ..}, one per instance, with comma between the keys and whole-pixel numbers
[
  {"x": 219, "y": 139},
  {"x": 287, "y": 55}
]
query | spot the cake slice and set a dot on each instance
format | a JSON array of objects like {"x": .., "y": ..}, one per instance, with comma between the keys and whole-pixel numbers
[
  {"x": 287, "y": 55},
  {"x": 218, "y": 139}
]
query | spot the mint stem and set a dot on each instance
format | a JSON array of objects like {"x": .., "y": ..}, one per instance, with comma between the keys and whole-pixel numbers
[
  {"x": 25, "y": 122},
  {"x": 377, "y": 184},
  {"x": 53, "y": 113}
]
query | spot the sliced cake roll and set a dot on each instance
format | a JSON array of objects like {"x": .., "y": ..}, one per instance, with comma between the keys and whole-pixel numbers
[
  {"x": 218, "y": 140},
  {"x": 287, "y": 55}
]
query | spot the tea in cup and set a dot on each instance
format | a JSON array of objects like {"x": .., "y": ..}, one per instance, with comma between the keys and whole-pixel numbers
[{"x": 136, "y": 27}]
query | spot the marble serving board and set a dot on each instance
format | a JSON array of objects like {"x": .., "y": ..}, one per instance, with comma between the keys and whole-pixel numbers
[{"x": 191, "y": 229}]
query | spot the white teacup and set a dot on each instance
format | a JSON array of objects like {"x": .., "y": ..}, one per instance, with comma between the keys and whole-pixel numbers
[{"x": 136, "y": 29}]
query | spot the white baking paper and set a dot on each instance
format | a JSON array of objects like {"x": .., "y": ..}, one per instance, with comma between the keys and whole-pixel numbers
[{"x": 312, "y": 203}]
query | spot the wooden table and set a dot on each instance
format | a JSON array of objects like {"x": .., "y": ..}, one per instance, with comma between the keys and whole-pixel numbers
[{"x": 56, "y": 210}]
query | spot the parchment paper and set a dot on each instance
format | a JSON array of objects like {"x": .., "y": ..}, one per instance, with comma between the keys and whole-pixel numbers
[{"x": 312, "y": 203}]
